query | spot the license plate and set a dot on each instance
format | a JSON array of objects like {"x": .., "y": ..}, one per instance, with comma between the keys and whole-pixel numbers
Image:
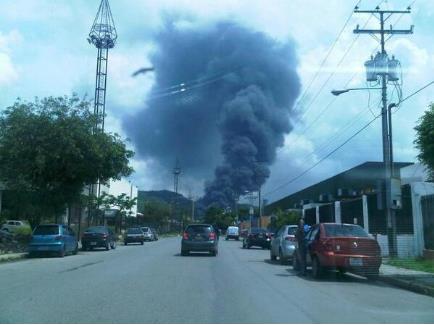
[
  {"x": 356, "y": 261},
  {"x": 93, "y": 243}
]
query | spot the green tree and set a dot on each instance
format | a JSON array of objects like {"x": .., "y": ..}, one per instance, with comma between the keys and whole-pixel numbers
[
  {"x": 282, "y": 218},
  {"x": 47, "y": 148},
  {"x": 425, "y": 140}
]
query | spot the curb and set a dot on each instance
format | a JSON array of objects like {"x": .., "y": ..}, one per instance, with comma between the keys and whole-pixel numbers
[
  {"x": 408, "y": 285},
  {"x": 12, "y": 257}
]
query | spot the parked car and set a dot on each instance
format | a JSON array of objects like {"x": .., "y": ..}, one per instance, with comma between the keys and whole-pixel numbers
[
  {"x": 283, "y": 244},
  {"x": 233, "y": 233},
  {"x": 257, "y": 237},
  {"x": 147, "y": 233},
  {"x": 154, "y": 231},
  {"x": 99, "y": 236},
  {"x": 12, "y": 225},
  {"x": 199, "y": 238},
  {"x": 344, "y": 247},
  {"x": 243, "y": 233},
  {"x": 134, "y": 235},
  {"x": 53, "y": 238}
]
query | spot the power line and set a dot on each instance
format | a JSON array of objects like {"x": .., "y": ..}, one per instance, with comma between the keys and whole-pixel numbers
[
  {"x": 325, "y": 157},
  {"x": 327, "y": 55}
]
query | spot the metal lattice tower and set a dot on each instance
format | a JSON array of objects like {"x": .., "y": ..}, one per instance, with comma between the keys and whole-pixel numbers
[{"x": 103, "y": 35}]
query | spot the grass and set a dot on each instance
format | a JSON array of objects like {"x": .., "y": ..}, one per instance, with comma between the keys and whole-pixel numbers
[{"x": 418, "y": 264}]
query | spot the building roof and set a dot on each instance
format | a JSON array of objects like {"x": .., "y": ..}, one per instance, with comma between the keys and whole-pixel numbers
[{"x": 359, "y": 179}]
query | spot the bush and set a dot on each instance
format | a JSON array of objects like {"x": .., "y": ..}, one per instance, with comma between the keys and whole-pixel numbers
[{"x": 23, "y": 233}]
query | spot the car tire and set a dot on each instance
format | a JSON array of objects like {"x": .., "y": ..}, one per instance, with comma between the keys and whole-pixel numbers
[
  {"x": 214, "y": 253},
  {"x": 317, "y": 269},
  {"x": 107, "y": 246},
  {"x": 83, "y": 248},
  {"x": 282, "y": 259},
  {"x": 184, "y": 253},
  {"x": 373, "y": 275},
  {"x": 272, "y": 256},
  {"x": 295, "y": 264},
  {"x": 113, "y": 245},
  {"x": 75, "y": 251},
  {"x": 62, "y": 252},
  {"x": 141, "y": 243},
  {"x": 125, "y": 243}
]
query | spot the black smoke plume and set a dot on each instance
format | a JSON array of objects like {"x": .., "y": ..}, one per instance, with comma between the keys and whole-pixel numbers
[{"x": 222, "y": 100}]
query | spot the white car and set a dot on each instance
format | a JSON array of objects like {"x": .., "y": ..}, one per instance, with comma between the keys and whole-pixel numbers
[
  {"x": 12, "y": 225},
  {"x": 147, "y": 232},
  {"x": 233, "y": 233}
]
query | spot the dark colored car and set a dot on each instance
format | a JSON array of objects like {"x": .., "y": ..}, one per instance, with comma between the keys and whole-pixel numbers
[
  {"x": 134, "y": 235},
  {"x": 199, "y": 238},
  {"x": 257, "y": 237},
  {"x": 99, "y": 236},
  {"x": 53, "y": 238},
  {"x": 343, "y": 247}
]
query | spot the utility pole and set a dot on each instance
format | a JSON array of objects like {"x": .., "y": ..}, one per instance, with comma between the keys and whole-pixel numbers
[
  {"x": 176, "y": 174},
  {"x": 381, "y": 65}
]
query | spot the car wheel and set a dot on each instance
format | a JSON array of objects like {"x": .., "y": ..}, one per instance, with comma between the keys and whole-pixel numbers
[
  {"x": 248, "y": 246},
  {"x": 113, "y": 245},
  {"x": 373, "y": 275},
  {"x": 62, "y": 251},
  {"x": 125, "y": 243},
  {"x": 214, "y": 253},
  {"x": 317, "y": 269},
  {"x": 141, "y": 243},
  {"x": 75, "y": 251},
  {"x": 107, "y": 246},
  {"x": 295, "y": 264},
  {"x": 282, "y": 259},
  {"x": 184, "y": 253},
  {"x": 272, "y": 256},
  {"x": 83, "y": 248},
  {"x": 341, "y": 271}
]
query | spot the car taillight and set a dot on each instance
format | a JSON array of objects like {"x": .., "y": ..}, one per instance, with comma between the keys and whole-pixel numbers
[
  {"x": 290, "y": 238},
  {"x": 185, "y": 235},
  {"x": 328, "y": 247},
  {"x": 212, "y": 236}
]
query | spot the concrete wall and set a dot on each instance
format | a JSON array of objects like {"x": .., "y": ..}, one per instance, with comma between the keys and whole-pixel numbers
[{"x": 406, "y": 246}]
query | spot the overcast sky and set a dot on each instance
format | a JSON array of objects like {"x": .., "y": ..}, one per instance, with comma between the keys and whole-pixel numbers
[{"x": 43, "y": 51}]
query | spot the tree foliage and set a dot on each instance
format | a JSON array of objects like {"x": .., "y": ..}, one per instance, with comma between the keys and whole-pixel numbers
[
  {"x": 47, "y": 147},
  {"x": 282, "y": 218},
  {"x": 217, "y": 216},
  {"x": 425, "y": 140}
]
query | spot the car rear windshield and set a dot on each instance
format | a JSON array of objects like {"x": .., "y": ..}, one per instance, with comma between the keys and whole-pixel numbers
[
  {"x": 258, "y": 230},
  {"x": 292, "y": 230},
  {"x": 134, "y": 231},
  {"x": 100, "y": 230},
  {"x": 46, "y": 230},
  {"x": 199, "y": 229},
  {"x": 145, "y": 229},
  {"x": 345, "y": 231}
]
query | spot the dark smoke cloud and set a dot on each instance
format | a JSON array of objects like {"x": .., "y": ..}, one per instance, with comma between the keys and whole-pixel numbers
[{"x": 231, "y": 118}]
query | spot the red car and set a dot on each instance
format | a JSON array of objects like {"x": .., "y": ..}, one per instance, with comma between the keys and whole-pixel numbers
[{"x": 343, "y": 247}]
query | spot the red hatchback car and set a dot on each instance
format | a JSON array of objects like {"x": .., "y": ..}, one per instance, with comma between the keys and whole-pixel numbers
[{"x": 343, "y": 247}]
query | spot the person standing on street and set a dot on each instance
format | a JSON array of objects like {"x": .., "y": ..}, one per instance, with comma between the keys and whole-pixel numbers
[{"x": 302, "y": 249}]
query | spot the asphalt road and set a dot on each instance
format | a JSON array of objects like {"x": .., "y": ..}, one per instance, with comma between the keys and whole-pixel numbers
[{"x": 154, "y": 284}]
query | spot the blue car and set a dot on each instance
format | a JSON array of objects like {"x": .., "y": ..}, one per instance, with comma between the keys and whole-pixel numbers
[{"x": 53, "y": 238}]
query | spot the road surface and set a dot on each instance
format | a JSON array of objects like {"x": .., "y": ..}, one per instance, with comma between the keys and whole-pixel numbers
[{"x": 154, "y": 284}]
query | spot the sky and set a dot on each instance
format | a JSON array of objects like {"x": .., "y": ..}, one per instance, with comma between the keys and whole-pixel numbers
[{"x": 44, "y": 52}]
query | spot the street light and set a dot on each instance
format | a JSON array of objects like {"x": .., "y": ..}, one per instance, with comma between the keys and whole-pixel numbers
[{"x": 342, "y": 91}]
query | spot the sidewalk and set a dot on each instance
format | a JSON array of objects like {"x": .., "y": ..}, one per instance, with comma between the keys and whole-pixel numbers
[
  {"x": 416, "y": 281},
  {"x": 12, "y": 257}
]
